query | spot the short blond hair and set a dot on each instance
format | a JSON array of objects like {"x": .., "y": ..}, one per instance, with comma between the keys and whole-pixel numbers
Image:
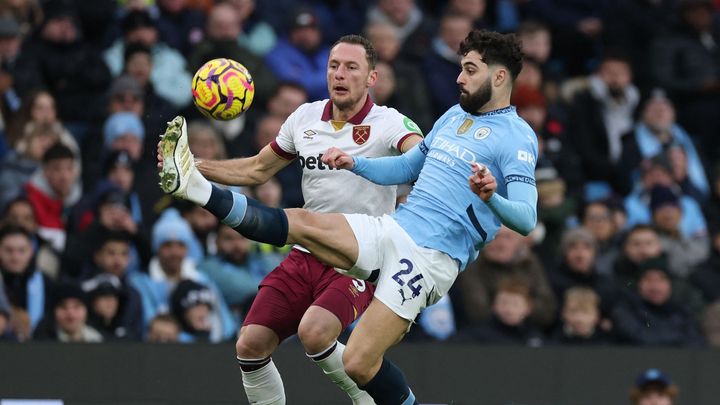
[{"x": 582, "y": 298}]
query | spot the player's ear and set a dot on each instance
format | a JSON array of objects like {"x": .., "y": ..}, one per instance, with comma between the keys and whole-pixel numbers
[
  {"x": 500, "y": 76},
  {"x": 372, "y": 78}
]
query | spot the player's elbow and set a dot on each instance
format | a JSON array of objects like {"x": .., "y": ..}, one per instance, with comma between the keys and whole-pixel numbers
[{"x": 527, "y": 226}]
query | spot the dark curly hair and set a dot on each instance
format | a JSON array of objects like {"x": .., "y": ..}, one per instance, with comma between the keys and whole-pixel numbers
[{"x": 502, "y": 49}]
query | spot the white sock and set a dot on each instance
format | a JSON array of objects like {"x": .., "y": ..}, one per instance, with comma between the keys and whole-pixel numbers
[
  {"x": 331, "y": 363},
  {"x": 263, "y": 386},
  {"x": 199, "y": 188}
]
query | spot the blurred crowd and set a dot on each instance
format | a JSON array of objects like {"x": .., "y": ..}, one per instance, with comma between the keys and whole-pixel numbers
[{"x": 624, "y": 96}]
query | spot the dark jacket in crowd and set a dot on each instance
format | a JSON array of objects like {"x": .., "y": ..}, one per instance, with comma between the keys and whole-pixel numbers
[
  {"x": 495, "y": 332},
  {"x": 638, "y": 322},
  {"x": 706, "y": 278},
  {"x": 74, "y": 73},
  {"x": 561, "y": 336},
  {"x": 562, "y": 279}
]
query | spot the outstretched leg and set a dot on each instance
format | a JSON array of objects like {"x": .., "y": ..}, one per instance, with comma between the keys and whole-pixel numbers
[{"x": 328, "y": 236}]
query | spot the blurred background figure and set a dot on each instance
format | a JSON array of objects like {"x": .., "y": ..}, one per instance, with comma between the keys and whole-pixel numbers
[
  {"x": 580, "y": 319},
  {"x": 653, "y": 387}
]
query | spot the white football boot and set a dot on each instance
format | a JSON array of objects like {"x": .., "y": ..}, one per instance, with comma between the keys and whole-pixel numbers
[{"x": 178, "y": 161}]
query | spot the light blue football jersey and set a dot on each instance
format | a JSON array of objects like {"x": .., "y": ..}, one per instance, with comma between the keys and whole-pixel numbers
[{"x": 442, "y": 212}]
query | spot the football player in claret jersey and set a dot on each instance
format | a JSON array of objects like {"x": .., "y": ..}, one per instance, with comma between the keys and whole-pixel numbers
[
  {"x": 475, "y": 170},
  {"x": 303, "y": 295}
]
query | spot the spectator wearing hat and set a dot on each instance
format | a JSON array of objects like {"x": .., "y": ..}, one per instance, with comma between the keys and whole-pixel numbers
[
  {"x": 68, "y": 322},
  {"x": 192, "y": 304},
  {"x": 658, "y": 171},
  {"x": 124, "y": 131},
  {"x": 685, "y": 63},
  {"x": 300, "y": 57},
  {"x": 650, "y": 316},
  {"x": 653, "y": 387},
  {"x": 106, "y": 308},
  {"x": 171, "y": 241},
  {"x": 657, "y": 132},
  {"x": 53, "y": 191},
  {"x": 179, "y": 25},
  {"x": 26, "y": 287},
  {"x": 577, "y": 269},
  {"x": 106, "y": 210},
  {"x": 140, "y": 95},
  {"x": 684, "y": 252},
  {"x": 58, "y": 59},
  {"x": 222, "y": 29},
  {"x": 580, "y": 319},
  {"x": 169, "y": 74},
  {"x": 111, "y": 259}
]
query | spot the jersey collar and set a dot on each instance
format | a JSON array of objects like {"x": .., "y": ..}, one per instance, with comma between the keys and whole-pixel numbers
[
  {"x": 504, "y": 110},
  {"x": 355, "y": 119}
]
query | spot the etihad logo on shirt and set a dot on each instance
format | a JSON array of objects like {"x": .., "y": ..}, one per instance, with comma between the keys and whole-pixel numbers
[
  {"x": 313, "y": 163},
  {"x": 451, "y": 150}
]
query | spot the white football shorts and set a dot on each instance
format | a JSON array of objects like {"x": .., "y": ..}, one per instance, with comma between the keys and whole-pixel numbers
[{"x": 411, "y": 277}]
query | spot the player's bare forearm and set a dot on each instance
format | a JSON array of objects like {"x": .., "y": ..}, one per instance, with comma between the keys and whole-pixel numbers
[
  {"x": 244, "y": 171},
  {"x": 235, "y": 172}
]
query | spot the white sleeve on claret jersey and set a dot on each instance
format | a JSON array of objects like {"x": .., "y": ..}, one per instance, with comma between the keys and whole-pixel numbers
[{"x": 285, "y": 139}]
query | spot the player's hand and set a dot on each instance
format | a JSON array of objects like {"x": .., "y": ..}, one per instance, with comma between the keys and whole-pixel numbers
[
  {"x": 482, "y": 182},
  {"x": 159, "y": 156},
  {"x": 337, "y": 159}
]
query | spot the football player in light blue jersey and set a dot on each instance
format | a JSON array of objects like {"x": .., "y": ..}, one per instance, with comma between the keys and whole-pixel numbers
[{"x": 474, "y": 171}]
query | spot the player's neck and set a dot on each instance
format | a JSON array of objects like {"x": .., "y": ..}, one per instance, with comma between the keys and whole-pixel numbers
[
  {"x": 347, "y": 113},
  {"x": 495, "y": 104}
]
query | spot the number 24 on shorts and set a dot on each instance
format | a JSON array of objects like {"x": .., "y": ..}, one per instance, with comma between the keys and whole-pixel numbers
[{"x": 411, "y": 284}]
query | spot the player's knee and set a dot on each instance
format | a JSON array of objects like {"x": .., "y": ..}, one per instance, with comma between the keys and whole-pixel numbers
[
  {"x": 253, "y": 346},
  {"x": 357, "y": 367},
  {"x": 315, "y": 336}
]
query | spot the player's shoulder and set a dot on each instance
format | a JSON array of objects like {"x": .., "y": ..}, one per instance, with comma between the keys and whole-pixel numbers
[
  {"x": 390, "y": 117},
  {"x": 519, "y": 128},
  {"x": 382, "y": 113},
  {"x": 313, "y": 109}
]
